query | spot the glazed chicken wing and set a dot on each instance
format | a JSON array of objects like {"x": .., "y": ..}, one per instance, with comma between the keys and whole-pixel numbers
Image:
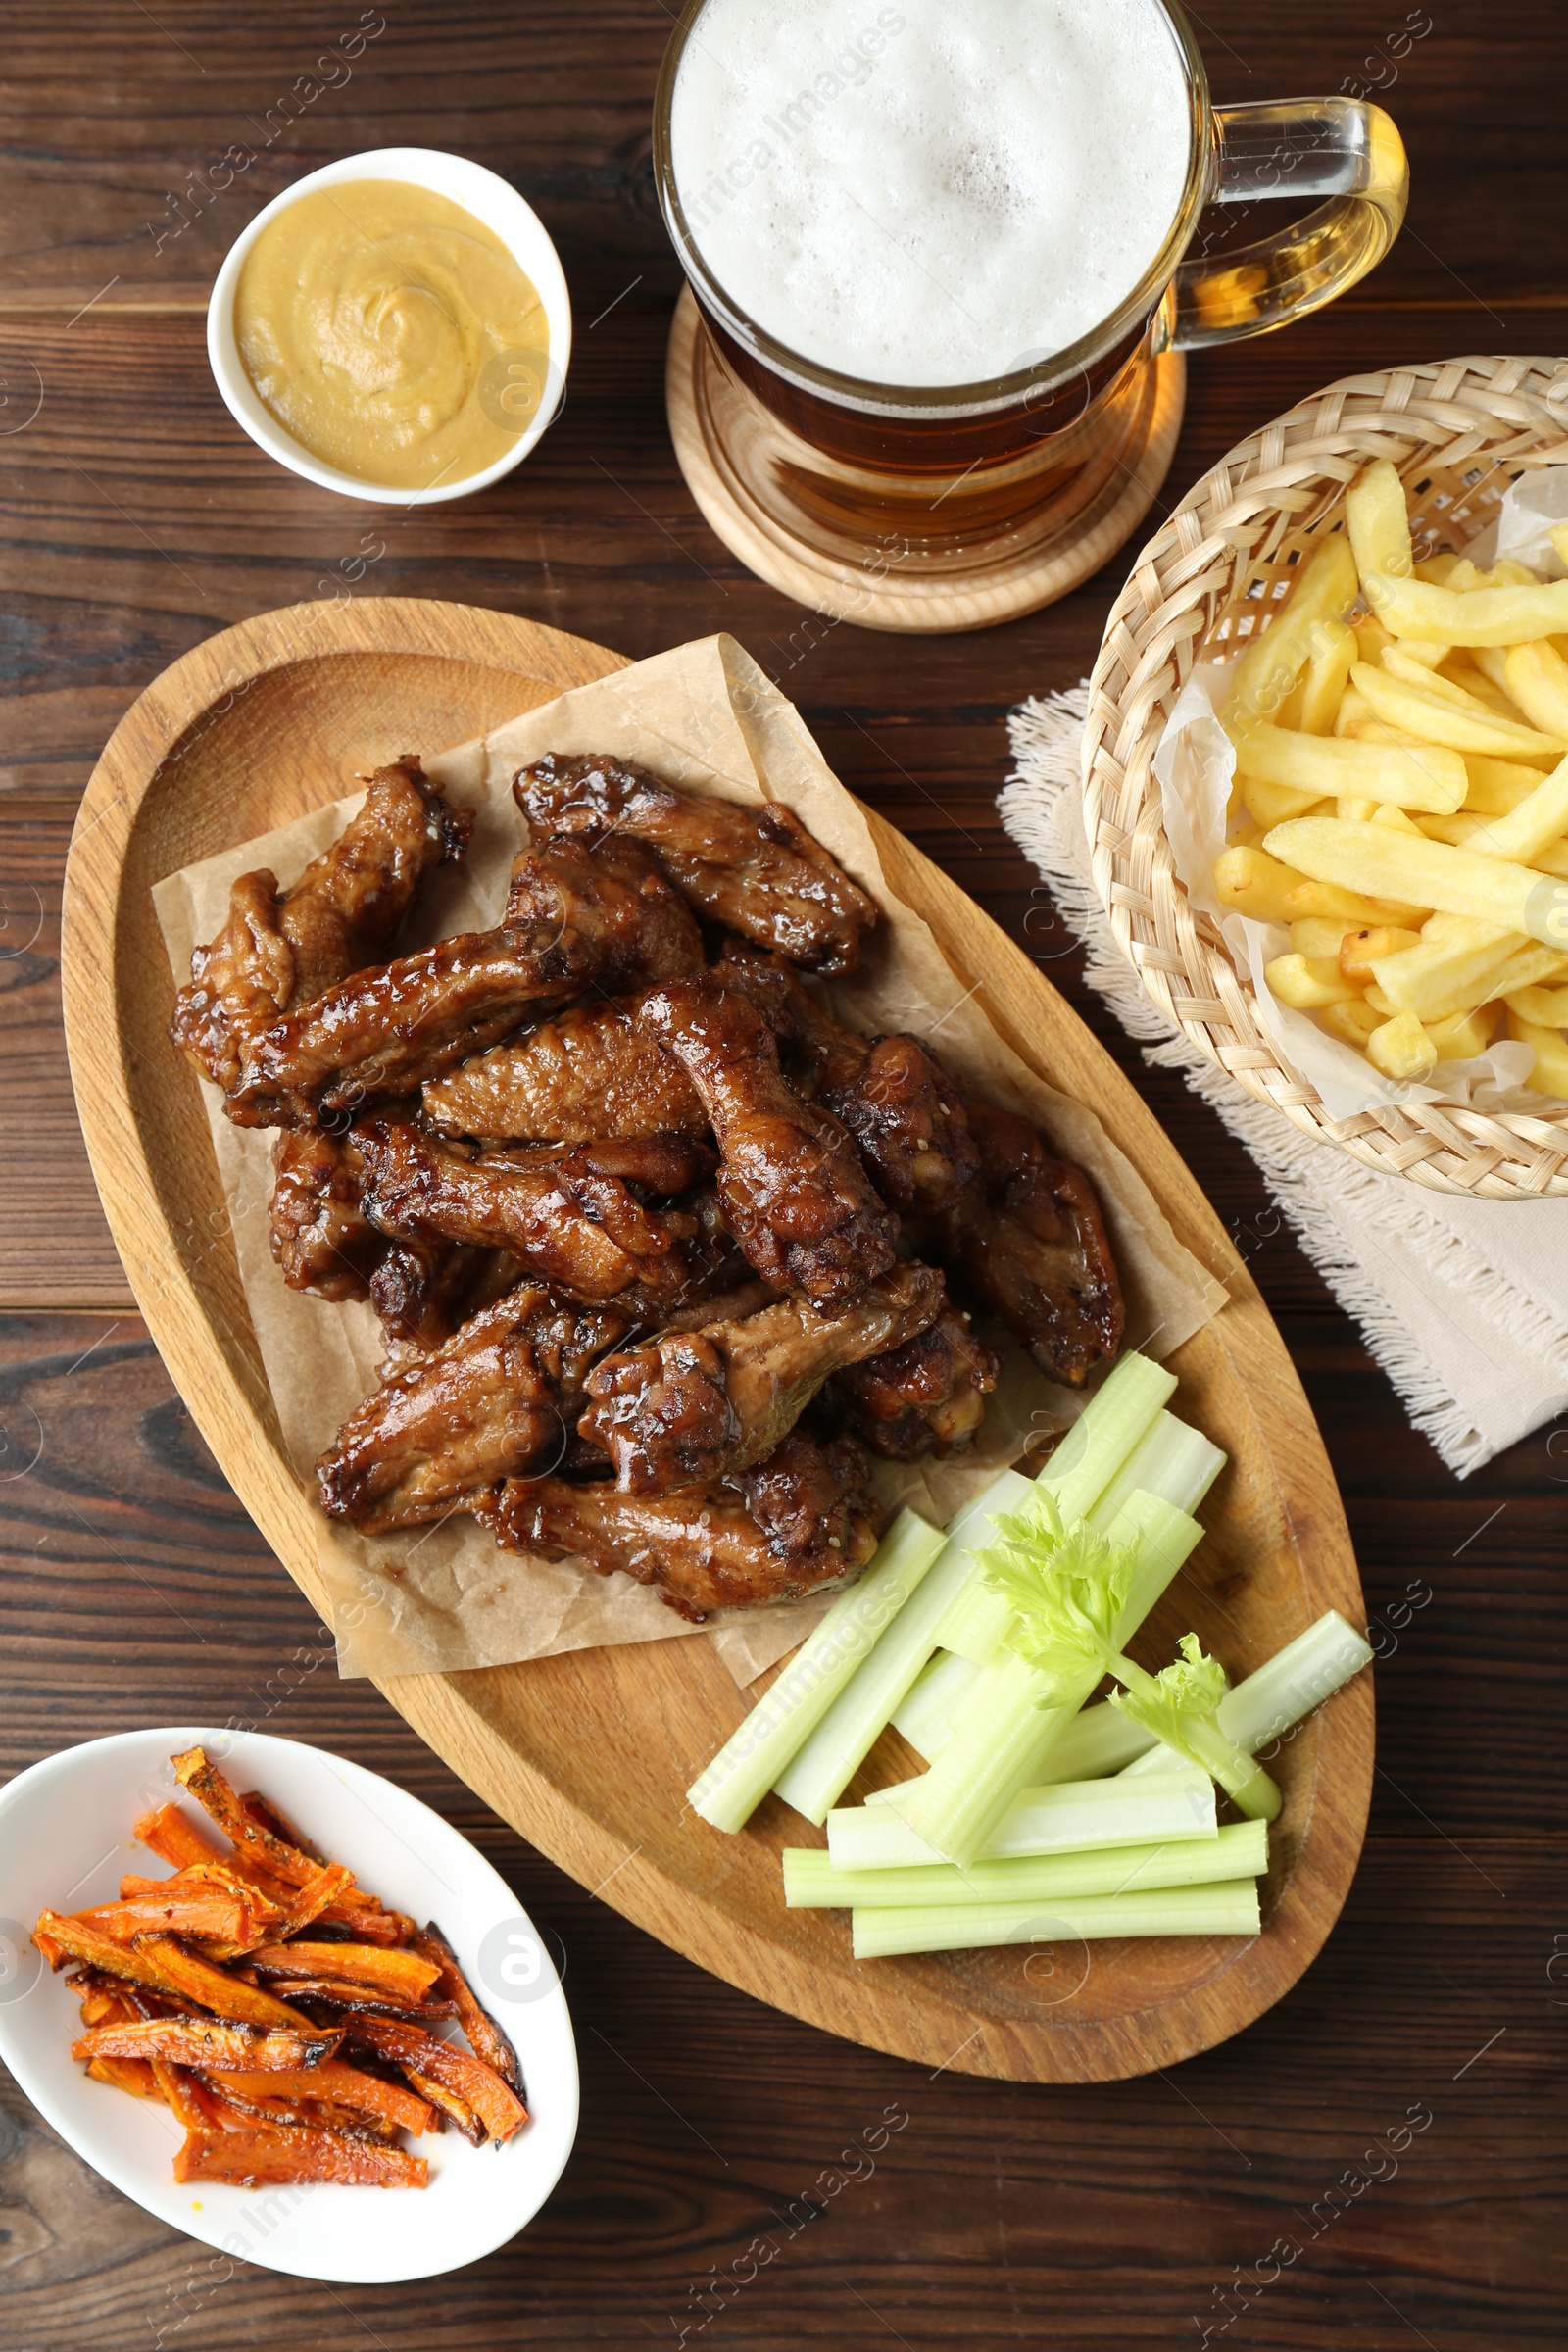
[
  {"x": 754, "y": 869},
  {"x": 794, "y": 1192},
  {"x": 985, "y": 1195},
  {"x": 323, "y": 1241},
  {"x": 582, "y": 911},
  {"x": 927, "y": 1396},
  {"x": 689, "y": 1407},
  {"x": 799, "y": 1520},
  {"x": 499, "y": 1398},
  {"x": 277, "y": 952},
  {"x": 1028, "y": 1238},
  {"x": 589, "y": 1072},
  {"x": 572, "y": 1218},
  {"x": 903, "y": 1111}
]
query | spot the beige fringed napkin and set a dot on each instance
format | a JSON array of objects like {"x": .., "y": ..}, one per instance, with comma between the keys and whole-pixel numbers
[{"x": 1464, "y": 1303}]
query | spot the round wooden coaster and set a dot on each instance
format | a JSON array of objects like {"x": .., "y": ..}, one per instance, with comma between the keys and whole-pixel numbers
[{"x": 976, "y": 597}]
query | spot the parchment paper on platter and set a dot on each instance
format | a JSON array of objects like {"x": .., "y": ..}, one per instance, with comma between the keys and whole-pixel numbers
[{"x": 704, "y": 718}]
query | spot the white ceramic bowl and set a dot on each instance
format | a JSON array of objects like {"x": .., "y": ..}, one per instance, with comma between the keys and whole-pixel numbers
[
  {"x": 65, "y": 1843},
  {"x": 490, "y": 200}
]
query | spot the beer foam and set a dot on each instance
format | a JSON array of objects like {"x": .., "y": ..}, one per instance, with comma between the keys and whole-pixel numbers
[{"x": 933, "y": 191}]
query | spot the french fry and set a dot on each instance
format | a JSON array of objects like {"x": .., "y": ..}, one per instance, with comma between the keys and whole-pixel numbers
[
  {"x": 1354, "y": 709},
  {"x": 1537, "y": 677},
  {"x": 1348, "y": 907},
  {"x": 1378, "y": 523},
  {"x": 1268, "y": 669},
  {"x": 1505, "y": 615},
  {"x": 1531, "y": 826},
  {"x": 1401, "y": 1048},
  {"x": 1351, "y": 807},
  {"x": 1397, "y": 818},
  {"x": 1467, "y": 831},
  {"x": 1360, "y": 951},
  {"x": 1450, "y": 717},
  {"x": 1371, "y": 637},
  {"x": 1550, "y": 1073},
  {"x": 1271, "y": 804},
  {"x": 1254, "y": 884},
  {"x": 1332, "y": 766},
  {"x": 1439, "y": 570},
  {"x": 1463, "y": 1035},
  {"x": 1429, "y": 873},
  {"x": 1351, "y": 1022},
  {"x": 1482, "y": 689},
  {"x": 1316, "y": 935},
  {"x": 1309, "y": 982},
  {"x": 1335, "y": 653},
  {"x": 1531, "y": 966},
  {"x": 1400, "y": 662},
  {"x": 1498, "y": 785},
  {"x": 1542, "y": 1008}
]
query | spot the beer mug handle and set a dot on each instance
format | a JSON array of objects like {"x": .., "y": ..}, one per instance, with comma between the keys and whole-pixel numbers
[{"x": 1338, "y": 148}]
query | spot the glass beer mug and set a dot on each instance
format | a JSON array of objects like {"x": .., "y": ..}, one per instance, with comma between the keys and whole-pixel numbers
[{"x": 952, "y": 504}]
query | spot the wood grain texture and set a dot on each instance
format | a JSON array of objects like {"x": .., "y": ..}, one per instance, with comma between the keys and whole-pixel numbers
[
  {"x": 1107, "y": 2215},
  {"x": 589, "y": 1753}
]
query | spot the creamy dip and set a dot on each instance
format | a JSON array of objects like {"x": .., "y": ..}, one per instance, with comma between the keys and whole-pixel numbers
[{"x": 392, "y": 333}]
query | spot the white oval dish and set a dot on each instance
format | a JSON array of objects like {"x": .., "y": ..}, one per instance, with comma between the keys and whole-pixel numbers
[
  {"x": 65, "y": 1843},
  {"x": 480, "y": 192}
]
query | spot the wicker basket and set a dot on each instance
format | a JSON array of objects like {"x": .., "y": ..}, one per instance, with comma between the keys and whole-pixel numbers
[{"x": 1460, "y": 432}]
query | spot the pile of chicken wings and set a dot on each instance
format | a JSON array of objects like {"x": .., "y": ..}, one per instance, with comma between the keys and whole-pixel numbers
[{"x": 660, "y": 1250}]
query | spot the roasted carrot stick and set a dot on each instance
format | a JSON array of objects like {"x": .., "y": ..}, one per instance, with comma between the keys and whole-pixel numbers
[
  {"x": 125, "y": 2074},
  {"x": 158, "y": 1962},
  {"x": 344, "y": 2086},
  {"x": 249, "y": 2157},
  {"x": 215, "y": 1918},
  {"x": 364, "y": 2000},
  {"x": 199, "y": 2041},
  {"x": 217, "y": 1798},
  {"x": 404, "y": 1973},
  {"x": 485, "y": 2036},
  {"x": 456, "y": 2111},
  {"x": 495, "y": 2105}
]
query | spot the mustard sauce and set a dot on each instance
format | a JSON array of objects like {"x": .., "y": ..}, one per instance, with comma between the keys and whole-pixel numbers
[{"x": 391, "y": 333}]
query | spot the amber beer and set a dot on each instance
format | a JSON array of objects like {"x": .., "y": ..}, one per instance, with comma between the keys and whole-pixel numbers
[{"x": 938, "y": 252}]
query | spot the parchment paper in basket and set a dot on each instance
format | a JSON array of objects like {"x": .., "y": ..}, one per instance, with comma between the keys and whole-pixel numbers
[
  {"x": 1196, "y": 765},
  {"x": 445, "y": 1598}
]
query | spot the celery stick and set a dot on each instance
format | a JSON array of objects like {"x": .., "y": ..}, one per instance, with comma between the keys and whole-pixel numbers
[
  {"x": 1170, "y": 1462},
  {"x": 830, "y": 1756},
  {"x": 1227, "y": 1909},
  {"x": 1100, "y": 1740},
  {"x": 925, "y": 1717},
  {"x": 1045, "y": 1821},
  {"x": 745, "y": 1767},
  {"x": 1105, "y": 1434},
  {"x": 1177, "y": 1463},
  {"x": 1001, "y": 1734},
  {"x": 1295, "y": 1680},
  {"x": 1239, "y": 1851},
  {"x": 1112, "y": 1426}
]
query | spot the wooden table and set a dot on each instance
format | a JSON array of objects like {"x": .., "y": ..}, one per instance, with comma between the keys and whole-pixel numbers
[{"x": 138, "y": 521}]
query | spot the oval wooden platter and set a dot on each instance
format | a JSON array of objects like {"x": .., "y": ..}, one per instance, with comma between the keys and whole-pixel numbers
[{"x": 588, "y": 1754}]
